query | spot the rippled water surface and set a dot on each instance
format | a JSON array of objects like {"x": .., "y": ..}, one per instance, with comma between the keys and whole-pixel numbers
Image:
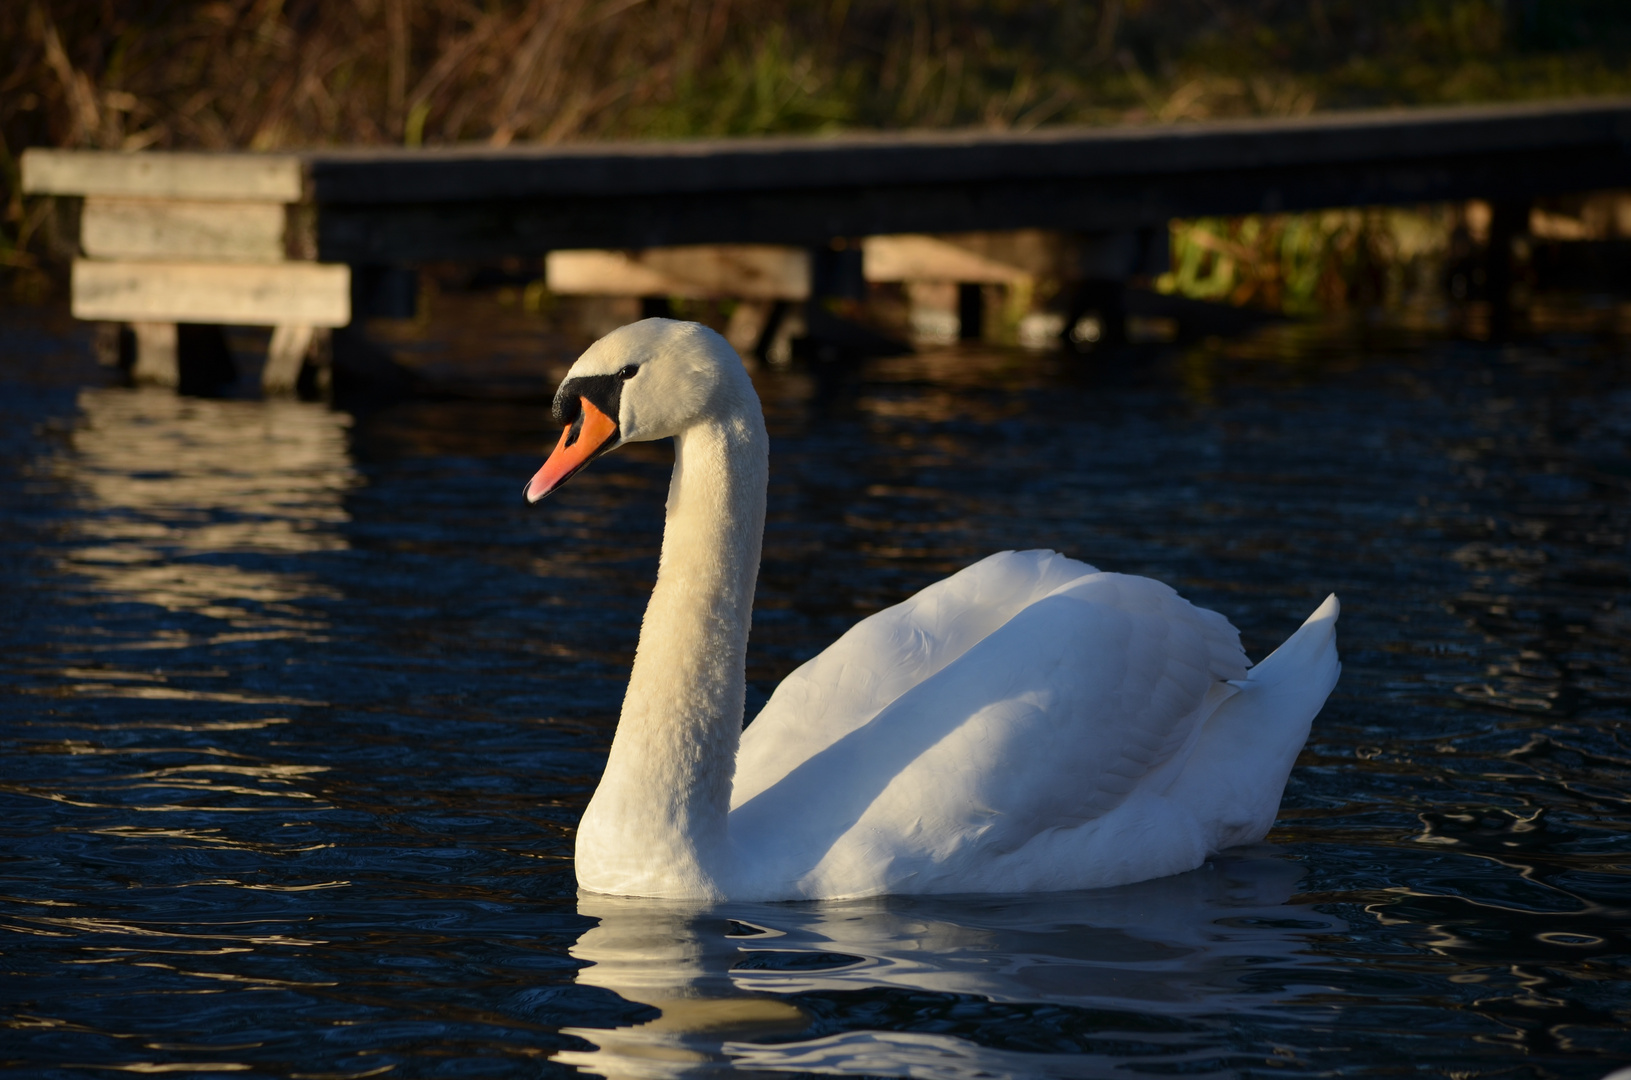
[{"x": 302, "y": 706}]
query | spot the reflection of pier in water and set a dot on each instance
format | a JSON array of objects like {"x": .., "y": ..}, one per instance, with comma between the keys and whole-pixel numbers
[
  {"x": 184, "y": 498},
  {"x": 187, "y": 584},
  {"x": 1156, "y": 972}
]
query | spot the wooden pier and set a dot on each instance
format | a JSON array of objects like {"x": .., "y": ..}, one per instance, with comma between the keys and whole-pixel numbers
[{"x": 267, "y": 238}]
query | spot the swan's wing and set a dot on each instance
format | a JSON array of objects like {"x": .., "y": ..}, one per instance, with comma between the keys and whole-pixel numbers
[
  {"x": 1046, "y": 723},
  {"x": 886, "y": 654}
]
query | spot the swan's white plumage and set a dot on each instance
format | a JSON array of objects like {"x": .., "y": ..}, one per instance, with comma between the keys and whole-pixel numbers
[
  {"x": 1028, "y": 723},
  {"x": 954, "y": 743},
  {"x": 887, "y": 654}
]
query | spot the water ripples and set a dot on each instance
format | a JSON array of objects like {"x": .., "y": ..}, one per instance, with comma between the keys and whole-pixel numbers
[{"x": 306, "y": 705}]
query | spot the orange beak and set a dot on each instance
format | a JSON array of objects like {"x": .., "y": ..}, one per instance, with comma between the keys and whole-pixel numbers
[{"x": 582, "y": 442}]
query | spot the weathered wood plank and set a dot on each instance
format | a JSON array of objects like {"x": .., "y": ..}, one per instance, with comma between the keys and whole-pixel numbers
[
  {"x": 605, "y": 273},
  {"x": 233, "y": 177},
  {"x": 162, "y": 229},
  {"x": 927, "y": 258},
  {"x": 263, "y": 294},
  {"x": 739, "y": 271},
  {"x": 736, "y": 271}
]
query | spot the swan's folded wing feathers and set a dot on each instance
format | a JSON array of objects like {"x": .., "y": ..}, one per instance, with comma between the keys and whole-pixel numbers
[
  {"x": 885, "y": 655},
  {"x": 1227, "y": 658}
]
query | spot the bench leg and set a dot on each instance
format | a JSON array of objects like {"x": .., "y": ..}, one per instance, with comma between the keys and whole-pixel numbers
[{"x": 284, "y": 357}]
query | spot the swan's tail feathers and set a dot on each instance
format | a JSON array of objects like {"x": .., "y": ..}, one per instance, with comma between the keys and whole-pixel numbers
[
  {"x": 1248, "y": 746},
  {"x": 1313, "y": 648}
]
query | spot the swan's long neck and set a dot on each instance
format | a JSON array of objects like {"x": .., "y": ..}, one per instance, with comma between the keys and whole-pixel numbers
[{"x": 656, "y": 824}]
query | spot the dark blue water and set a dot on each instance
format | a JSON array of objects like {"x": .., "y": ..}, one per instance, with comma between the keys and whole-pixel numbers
[{"x": 301, "y": 707}]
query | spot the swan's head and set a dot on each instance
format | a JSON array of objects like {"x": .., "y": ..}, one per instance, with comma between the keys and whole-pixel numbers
[{"x": 649, "y": 380}]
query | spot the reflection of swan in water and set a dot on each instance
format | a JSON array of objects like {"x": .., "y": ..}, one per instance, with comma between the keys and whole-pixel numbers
[{"x": 1155, "y": 965}]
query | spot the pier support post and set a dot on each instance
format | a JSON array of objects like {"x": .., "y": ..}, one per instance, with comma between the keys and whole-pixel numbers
[
  {"x": 1508, "y": 220},
  {"x": 384, "y": 291},
  {"x": 837, "y": 273},
  {"x": 285, "y": 356},
  {"x": 1104, "y": 300},
  {"x": 157, "y": 362},
  {"x": 970, "y": 311},
  {"x": 1107, "y": 262},
  {"x": 837, "y": 284}
]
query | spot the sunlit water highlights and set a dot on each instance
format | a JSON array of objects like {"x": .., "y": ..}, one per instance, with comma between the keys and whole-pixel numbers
[
  {"x": 304, "y": 707},
  {"x": 173, "y": 490}
]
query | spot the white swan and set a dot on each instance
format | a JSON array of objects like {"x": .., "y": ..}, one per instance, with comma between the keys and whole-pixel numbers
[{"x": 1027, "y": 724}]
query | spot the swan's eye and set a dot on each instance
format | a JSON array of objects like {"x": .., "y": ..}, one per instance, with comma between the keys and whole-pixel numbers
[{"x": 628, "y": 373}]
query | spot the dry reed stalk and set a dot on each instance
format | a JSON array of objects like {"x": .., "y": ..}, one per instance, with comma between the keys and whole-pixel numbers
[{"x": 235, "y": 73}]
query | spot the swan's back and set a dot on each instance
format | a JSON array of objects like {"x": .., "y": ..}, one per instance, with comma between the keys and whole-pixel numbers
[{"x": 1006, "y": 729}]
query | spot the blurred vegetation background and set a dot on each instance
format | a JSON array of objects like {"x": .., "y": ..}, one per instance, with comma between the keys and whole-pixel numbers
[{"x": 272, "y": 74}]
